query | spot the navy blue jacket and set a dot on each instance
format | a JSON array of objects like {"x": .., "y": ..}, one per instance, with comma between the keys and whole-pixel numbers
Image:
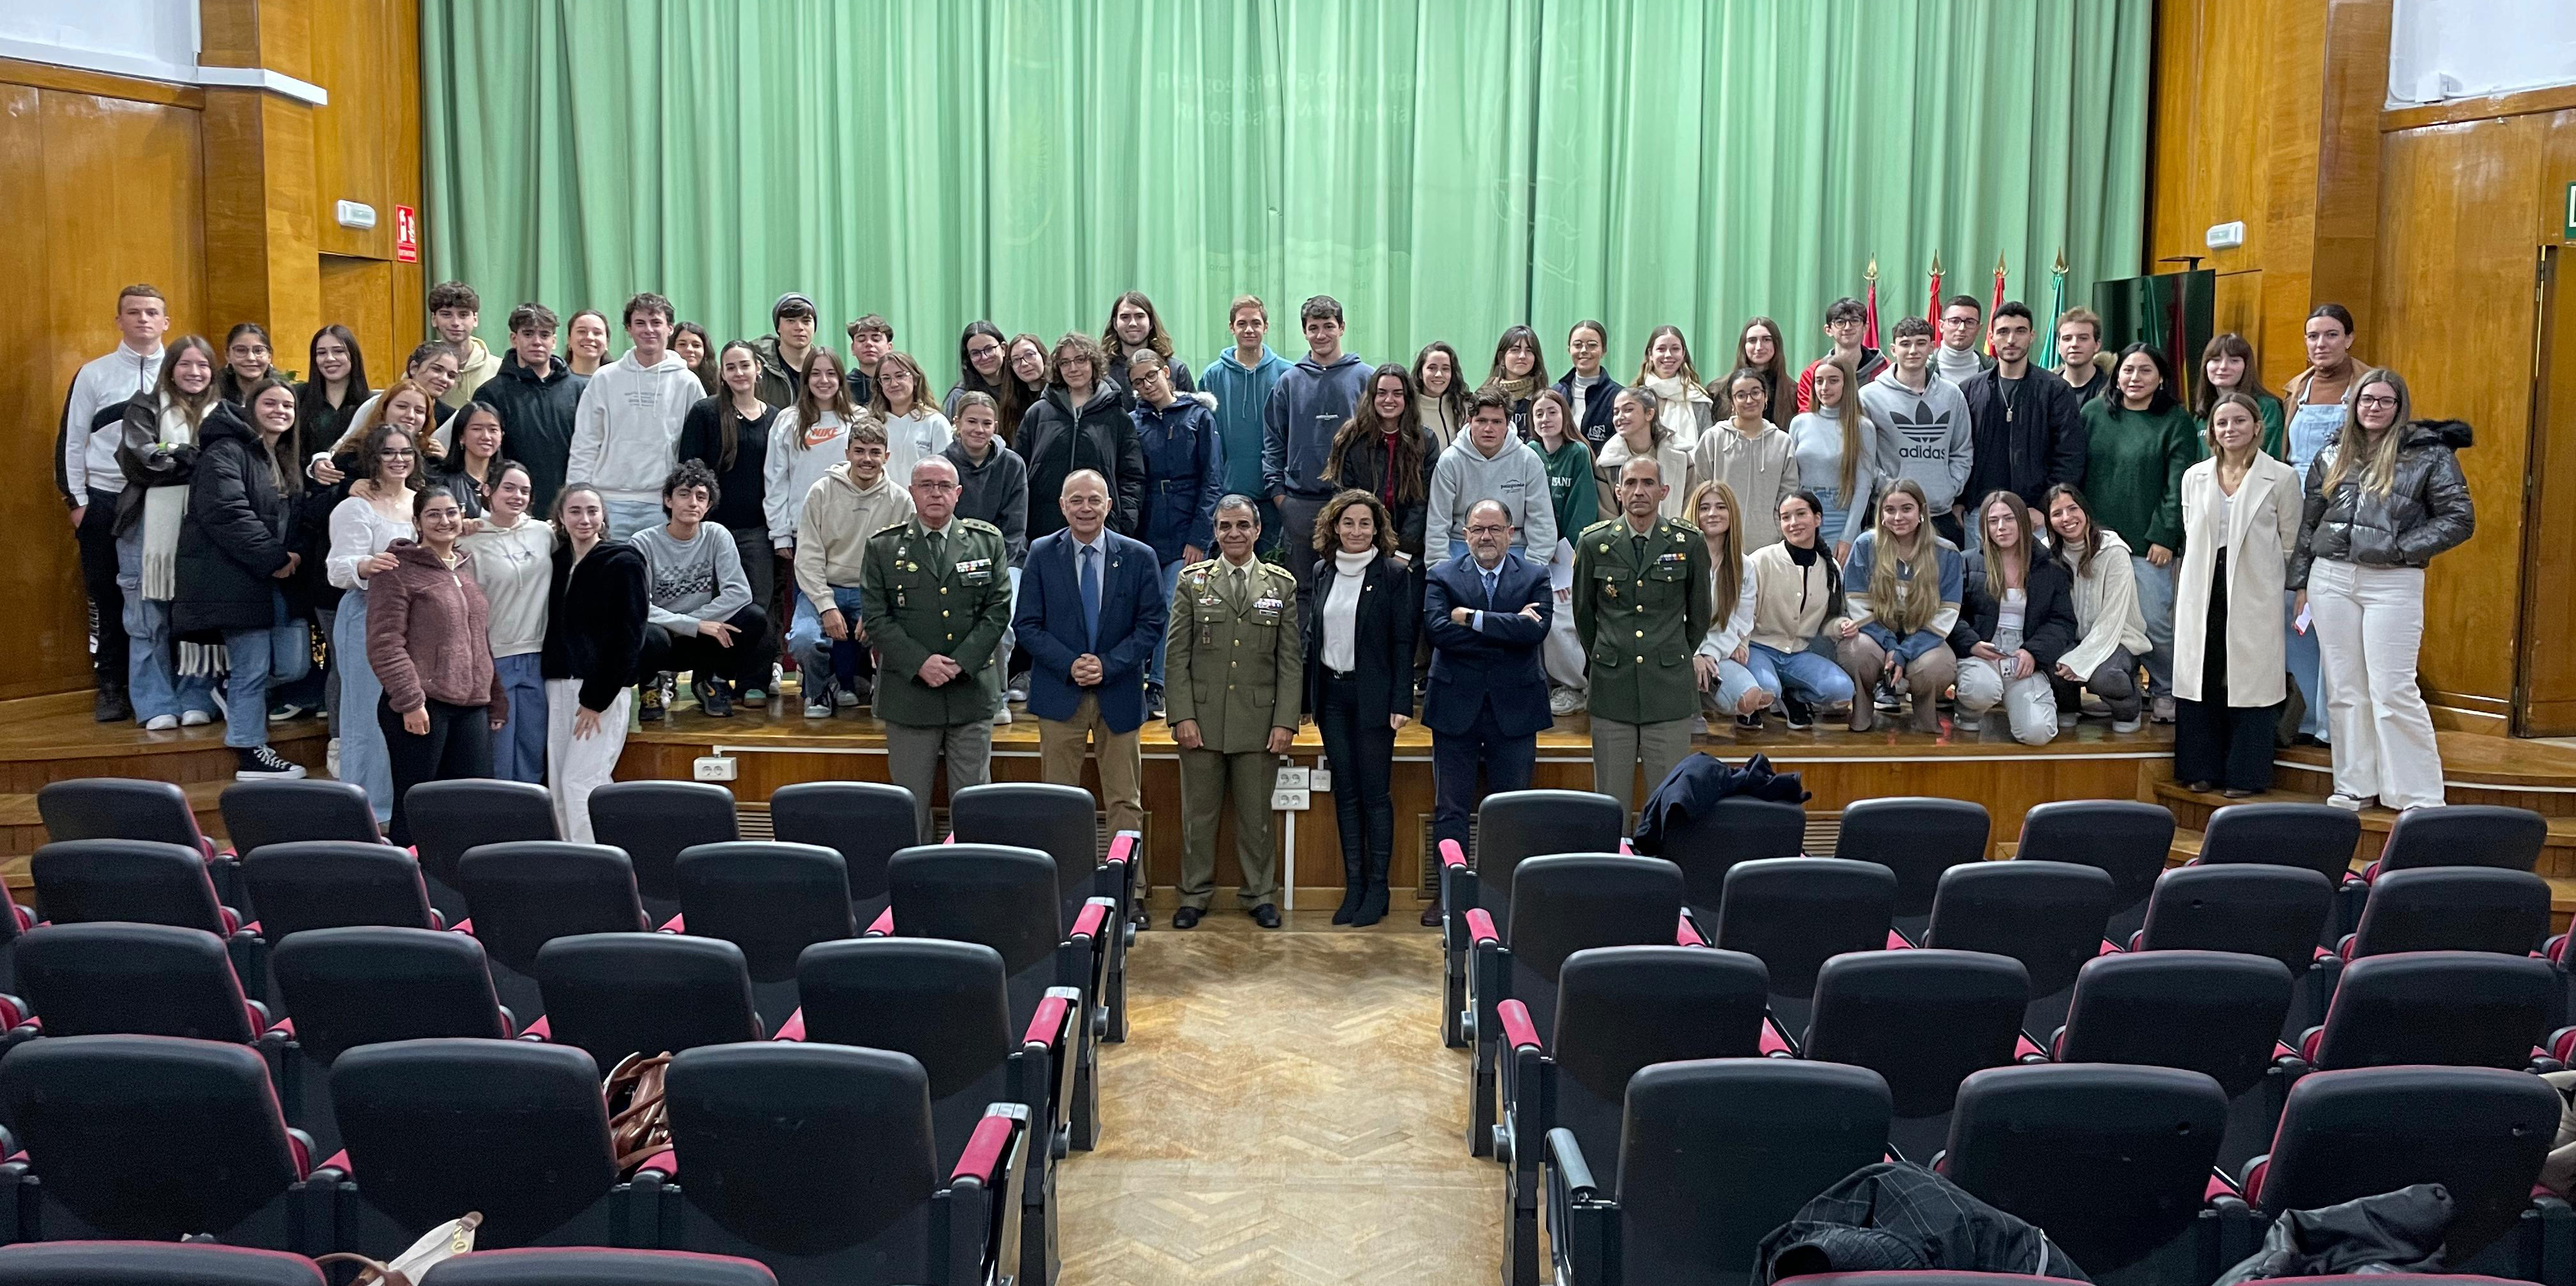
[
  {"x": 1596, "y": 427},
  {"x": 1184, "y": 477},
  {"x": 1498, "y": 665},
  {"x": 1133, "y": 610}
]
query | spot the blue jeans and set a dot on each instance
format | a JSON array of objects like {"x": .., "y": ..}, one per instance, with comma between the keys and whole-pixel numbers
[
  {"x": 362, "y": 740},
  {"x": 818, "y": 655},
  {"x": 1811, "y": 677},
  {"x": 519, "y": 748},
  {"x": 2303, "y": 659},
  {"x": 627, "y": 517},
  {"x": 1733, "y": 681},
  {"x": 281, "y": 653},
  {"x": 1171, "y": 581},
  {"x": 152, "y": 680}
]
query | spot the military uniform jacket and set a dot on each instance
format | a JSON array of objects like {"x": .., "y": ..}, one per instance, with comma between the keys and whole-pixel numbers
[
  {"x": 918, "y": 604},
  {"x": 1234, "y": 660},
  {"x": 1640, "y": 617}
]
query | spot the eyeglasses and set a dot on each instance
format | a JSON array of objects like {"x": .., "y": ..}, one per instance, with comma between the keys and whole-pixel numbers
[
  {"x": 934, "y": 486},
  {"x": 2375, "y": 400},
  {"x": 1486, "y": 529},
  {"x": 982, "y": 351}
]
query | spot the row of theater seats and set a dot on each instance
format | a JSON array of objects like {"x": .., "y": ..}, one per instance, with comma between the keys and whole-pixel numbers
[
  {"x": 885, "y": 1103},
  {"x": 1672, "y": 1054}
]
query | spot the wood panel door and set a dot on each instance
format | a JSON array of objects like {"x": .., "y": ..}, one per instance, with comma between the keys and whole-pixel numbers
[{"x": 2544, "y": 689}]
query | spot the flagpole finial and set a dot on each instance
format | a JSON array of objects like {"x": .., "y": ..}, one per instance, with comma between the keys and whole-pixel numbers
[
  {"x": 1872, "y": 273},
  {"x": 1936, "y": 263},
  {"x": 2060, "y": 269},
  {"x": 1999, "y": 261}
]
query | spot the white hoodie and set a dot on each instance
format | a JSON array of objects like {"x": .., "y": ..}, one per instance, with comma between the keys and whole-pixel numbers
[{"x": 626, "y": 432}]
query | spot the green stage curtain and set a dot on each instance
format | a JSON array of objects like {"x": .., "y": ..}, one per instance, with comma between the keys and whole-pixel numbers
[{"x": 1444, "y": 167}]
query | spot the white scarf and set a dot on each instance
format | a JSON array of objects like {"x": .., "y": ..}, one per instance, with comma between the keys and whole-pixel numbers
[
  {"x": 1673, "y": 397},
  {"x": 163, "y": 507}
]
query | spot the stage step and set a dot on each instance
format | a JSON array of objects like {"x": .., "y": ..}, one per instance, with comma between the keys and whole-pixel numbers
[
  {"x": 22, "y": 831},
  {"x": 2475, "y": 770},
  {"x": 2192, "y": 809}
]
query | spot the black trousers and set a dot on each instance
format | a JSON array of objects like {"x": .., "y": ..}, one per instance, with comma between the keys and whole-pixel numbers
[
  {"x": 1362, "y": 753},
  {"x": 96, "y": 536},
  {"x": 457, "y": 745},
  {"x": 744, "y": 663},
  {"x": 1507, "y": 763},
  {"x": 2214, "y": 741}
]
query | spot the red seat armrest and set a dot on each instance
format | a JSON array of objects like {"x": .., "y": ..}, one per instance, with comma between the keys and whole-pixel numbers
[
  {"x": 464, "y": 926},
  {"x": 26, "y": 918},
  {"x": 678, "y": 923},
  {"x": 1774, "y": 1044},
  {"x": 1480, "y": 926},
  {"x": 283, "y": 1027},
  {"x": 339, "y": 1161},
  {"x": 1087, "y": 924},
  {"x": 982, "y": 1159},
  {"x": 537, "y": 1030},
  {"x": 882, "y": 926},
  {"x": 1122, "y": 847},
  {"x": 951, "y": 838},
  {"x": 1627, "y": 847},
  {"x": 2309, "y": 1040},
  {"x": 1897, "y": 941},
  {"x": 665, "y": 1163},
  {"x": 1451, "y": 854},
  {"x": 2254, "y": 1172},
  {"x": 793, "y": 1028},
  {"x": 1687, "y": 935},
  {"x": 1046, "y": 1026},
  {"x": 1518, "y": 1031},
  {"x": 2026, "y": 1050},
  {"x": 2218, "y": 1186},
  {"x": 2110, "y": 948}
]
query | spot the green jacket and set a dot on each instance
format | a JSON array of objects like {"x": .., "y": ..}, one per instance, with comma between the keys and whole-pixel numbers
[
  {"x": 1639, "y": 620},
  {"x": 1569, "y": 484},
  {"x": 917, "y": 606},
  {"x": 2133, "y": 470},
  {"x": 1234, "y": 661}
]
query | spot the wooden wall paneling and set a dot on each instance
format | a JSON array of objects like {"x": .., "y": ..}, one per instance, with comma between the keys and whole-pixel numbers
[
  {"x": 359, "y": 294},
  {"x": 43, "y": 582},
  {"x": 367, "y": 144},
  {"x": 261, "y": 214},
  {"x": 2545, "y": 681}
]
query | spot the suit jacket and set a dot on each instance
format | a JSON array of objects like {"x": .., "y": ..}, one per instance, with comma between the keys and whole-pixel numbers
[
  {"x": 1049, "y": 625},
  {"x": 1382, "y": 631},
  {"x": 1497, "y": 665},
  {"x": 1234, "y": 664}
]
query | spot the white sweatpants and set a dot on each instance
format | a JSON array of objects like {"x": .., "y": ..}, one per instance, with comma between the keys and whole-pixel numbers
[
  {"x": 1562, "y": 651},
  {"x": 577, "y": 766},
  {"x": 2029, "y": 702},
  {"x": 2370, "y": 623}
]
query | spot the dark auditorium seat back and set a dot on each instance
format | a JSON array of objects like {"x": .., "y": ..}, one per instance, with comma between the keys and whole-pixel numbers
[
  {"x": 2480, "y": 1132},
  {"x": 2112, "y": 1162},
  {"x": 448, "y": 818},
  {"x": 140, "y": 881},
  {"x": 2213, "y": 1012},
  {"x": 2507, "y": 839},
  {"x": 152, "y": 1138},
  {"x": 2127, "y": 839},
  {"x": 773, "y": 900},
  {"x": 1921, "y": 1019},
  {"x": 2048, "y": 915},
  {"x": 2254, "y": 908},
  {"x": 615, "y": 994},
  {"x": 1002, "y": 897},
  {"x": 1917, "y": 838},
  {"x": 1060, "y": 821},
  {"x": 2453, "y": 908},
  {"x": 118, "y": 808},
  {"x": 1567, "y": 902},
  {"x": 115, "y": 978},
  {"x": 1734, "y": 830},
  {"x": 526, "y": 894},
  {"x": 1620, "y": 1010},
  {"x": 512, "y": 1128},
  {"x": 1795, "y": 913},
  {"x": 258, "y": 814},
  {"x": 2311, "y": 836},
  {"x": 301, "y": 885},
  {"x": 946, "y": 1004},
  {"x": 654, "y": 821},
  {"x": 349, "y": 987},
  {"x": 866, "y": 822},
  {"x": 1517, "y": 824},
  {"x": 2447, "y": 1008},
  {"x": 151, "y": 1263},
  {"x": 598, "y": 1266}
]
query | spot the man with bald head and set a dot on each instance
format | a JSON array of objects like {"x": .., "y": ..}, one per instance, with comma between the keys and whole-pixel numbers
[
  {"x": 935, "y": 595},
  {"x": 1091, "y": 610},
  {"x": 1487, "y": 613}
]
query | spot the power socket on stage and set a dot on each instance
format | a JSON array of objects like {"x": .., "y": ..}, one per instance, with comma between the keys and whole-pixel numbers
[{"x": 714, "y": 768}]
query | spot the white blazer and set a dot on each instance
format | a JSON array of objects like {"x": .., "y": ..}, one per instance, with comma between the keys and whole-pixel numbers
[{"x": 2259, "y": 531}]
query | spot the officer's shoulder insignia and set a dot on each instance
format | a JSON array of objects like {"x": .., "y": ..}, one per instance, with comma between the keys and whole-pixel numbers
[
  {"x": 978, "y": 524},
  {"x": 1602, "y": 527},
  {"x": 890, "y": 529}
]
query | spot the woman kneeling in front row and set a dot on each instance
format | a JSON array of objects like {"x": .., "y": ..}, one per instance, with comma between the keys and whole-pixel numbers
[{"x": 2017, "y": 618}]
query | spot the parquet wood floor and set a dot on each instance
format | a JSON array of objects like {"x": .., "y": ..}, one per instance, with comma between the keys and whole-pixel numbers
[{"x": 1282, "y": 1112}]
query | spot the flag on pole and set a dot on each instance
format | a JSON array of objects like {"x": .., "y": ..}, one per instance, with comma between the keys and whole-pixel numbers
[
  {"x": 1932, "y": 310},
  {"x": 2046, "y": 356},
  {"x": 1869, "y": 307},
  {"x": 1988, "y": 344}
]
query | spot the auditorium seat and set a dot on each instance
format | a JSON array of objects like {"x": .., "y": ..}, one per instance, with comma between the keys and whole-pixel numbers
[
  {"x": 514, "y": 1129},
  {"x": 596, "y": 1266},
  {"x": 2446, "y": 1008},
  {"x": 301, "y": 885},
  {"x": 2112, "y": 1162},
  {"x": 345, "y": 988},
  {"x": 616, "y": 994},
  {"x": 142, "y": 882},
  {"x": 866, "y": 822},
  {"x": 260, "y": 813},
  {"x": 948, "y": 1005},
  {"x": 1559, "y": 905},
  {"x": 1618, "y": 1011},
  {"x": 450, "y": 817},
  {"x": 2479, "y": 835},
  {"x": 1062, "y": 822},
  {"x": 1795, "y": 913},
  {"x": 152, "y": 1263},
  {"x": 653, "y": 821},
  {"x": 2452, "y": 908},
  {"x": 1918, "y": 838},
  {"x": 1923, "y": 1020},
  {"x": 117, "y": 978},
  {"x": 2050, "y": 916},
  {"x": 2278, "y": 912},
  {"x": 1006, "y": 899},
  {"x": 819, "y": 1161},
  {"x": 1510, "y": 825},
  {"x": 1929, "y": 1277},
  {"x": 2128, "y": 839},
  {"x": 525, "y": 894},
  {"x": 150, "y": 1138},
  {"x": 129, "y": 808},
  {"x": 2214, "y": 1012},
  {"x": 772, "y": 900},
  {"x": 1734, "y": 830},
  {"x": 2480, "y": 1132},
  {"x": 1718, "y": 1153},
  {"x": 2314, "y": 837}
]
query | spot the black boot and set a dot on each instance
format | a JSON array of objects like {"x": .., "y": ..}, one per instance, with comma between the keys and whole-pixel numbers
[
  {"x": 1353, "y": 888},
  {"x": 110, "y": 705},
  {"x": 1373, "y": 897}
]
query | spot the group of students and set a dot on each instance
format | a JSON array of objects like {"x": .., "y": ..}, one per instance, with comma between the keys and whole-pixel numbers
[{"x": 1933, "y": 524}]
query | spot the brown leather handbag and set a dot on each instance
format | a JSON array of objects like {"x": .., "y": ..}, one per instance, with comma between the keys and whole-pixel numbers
[
  {"x": 638, "y": 1115},
  {"x": 448, "y": 1240}
]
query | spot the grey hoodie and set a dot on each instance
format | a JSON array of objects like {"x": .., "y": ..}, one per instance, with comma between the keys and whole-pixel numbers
[
  {"x": 1306, "y": 409},
  {"x": 1463, "y": 478},
  {"x": 1924, "y": 436}
]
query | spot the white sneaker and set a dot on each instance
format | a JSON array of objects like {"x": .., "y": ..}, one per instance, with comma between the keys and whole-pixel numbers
[
  {"x": 161, "y": 723},
  {"x": 1017, "y": 695},
  {"x": 195, "y": 719},
  {"x": 2349, "y": 803},
  {"x": 1564, "y": 701},
  {"x": 331, "y": 758},
  {"x": 1004, "y": 714},
  {"x": 2162, "y": 710},
  {"x": 2065, "y": 720},
  {"x": 2127, "y": 725}
]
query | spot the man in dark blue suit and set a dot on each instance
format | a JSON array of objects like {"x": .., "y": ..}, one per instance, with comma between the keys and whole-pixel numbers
[
  {"x": 1091, "y": 608},
  {"x": 1487, "y": 612}
]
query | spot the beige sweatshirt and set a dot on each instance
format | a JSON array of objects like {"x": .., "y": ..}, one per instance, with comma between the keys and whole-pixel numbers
[{"x": 832, "y": 532}]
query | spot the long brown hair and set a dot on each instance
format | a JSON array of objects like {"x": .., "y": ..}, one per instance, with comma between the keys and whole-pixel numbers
[
  {"x": 1847, "y": 413},
  {"x": 1646, "y": 365},
  {"x": 921, "y": 397},
  {"x": 808, "y": 411},
  {"x": 1512, "y": 336},
  {"x": 279, "y": 454},
  {"x": 1995, "y": 582},
  {"x": 1454, "y": 397},
  {"x": 2379, "y": 471},
  {"x": 1365, "y": 427},
  {"x": 1157, "y": 338},
  {"x": 1774, "y": 373},
  {"x": 192, "y": 406},
  {"x": 2204, "y": 395},
  {"x": 1909, "y": 603},
  {"x": 1726, "y": 563},
  {"x": 1327, "y": 539},
  {"x": 2081, "y": 556},
  {"x": 2209, "y": 436}
]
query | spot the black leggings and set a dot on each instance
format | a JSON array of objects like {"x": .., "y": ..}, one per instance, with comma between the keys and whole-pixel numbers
[
  {"x": 457, "y": 745},
  {"x": 1362, "y": 755},
  {"x": 2214, "y": 741},
  {"x": 746, "y": 663}
]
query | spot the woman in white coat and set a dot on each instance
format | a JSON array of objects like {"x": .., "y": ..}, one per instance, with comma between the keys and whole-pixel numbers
[{"x": 2240, "y": 516}]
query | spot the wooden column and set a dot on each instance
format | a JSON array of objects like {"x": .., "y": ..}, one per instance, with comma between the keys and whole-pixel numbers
[{"x": 262, "y": 208}]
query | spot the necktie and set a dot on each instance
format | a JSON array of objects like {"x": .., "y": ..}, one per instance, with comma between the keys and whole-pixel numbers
[
  {"x": 938, "y": 550},
  {"x": 1242, "y": 586},
  {"x": 1641, "y": 549},
  {"x": 1091, "y": 594},
  {"x": 1489, "y": 587}
]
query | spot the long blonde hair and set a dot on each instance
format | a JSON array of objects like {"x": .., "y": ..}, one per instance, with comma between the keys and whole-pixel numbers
[
  {"x": 1726, "y": 570},
  {"x": 1908, "y": 603},
  {"x": 2379, "y": 471},
  {"x": 1847, "y": 412},
  {"x": 1995, "y": 582}
]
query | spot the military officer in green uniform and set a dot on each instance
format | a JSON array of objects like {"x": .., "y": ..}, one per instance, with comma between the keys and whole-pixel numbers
[
  {"x": 1641, "y": 605},
  {"x": 936, "y": 594},
  {"x": 1233, "y": 684}
]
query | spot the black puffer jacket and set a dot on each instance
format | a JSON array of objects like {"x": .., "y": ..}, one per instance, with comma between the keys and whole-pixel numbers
[
  {"x": 2048, "y": 627},
  {"x": 2426, "y": 512},
  {"x": 237, "y": 533},
  {"x": 1059, "y": 438}
]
